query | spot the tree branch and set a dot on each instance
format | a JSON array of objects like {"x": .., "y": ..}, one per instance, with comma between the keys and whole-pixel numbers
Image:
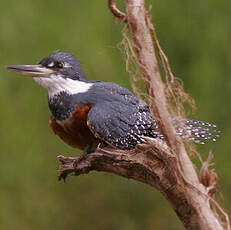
[
  {"x": 112, "y": 6},
  {"x": 163, "y": 165},
  {"x": 151, "y": 163}
]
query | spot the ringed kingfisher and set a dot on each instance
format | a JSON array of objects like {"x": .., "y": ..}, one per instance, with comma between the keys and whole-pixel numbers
[{"x": 87, "y": 114}]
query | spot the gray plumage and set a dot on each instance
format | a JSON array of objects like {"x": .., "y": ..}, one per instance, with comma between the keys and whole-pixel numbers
[{"x": 121, "y": 120}]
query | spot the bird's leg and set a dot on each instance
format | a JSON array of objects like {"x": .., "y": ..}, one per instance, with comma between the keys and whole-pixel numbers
[
  {"x": 90, "y": 148},
  {"x": 102, "y": 145}
]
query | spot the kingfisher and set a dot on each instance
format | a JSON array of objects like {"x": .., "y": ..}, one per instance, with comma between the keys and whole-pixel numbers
[{"x": 88, "y": 114}]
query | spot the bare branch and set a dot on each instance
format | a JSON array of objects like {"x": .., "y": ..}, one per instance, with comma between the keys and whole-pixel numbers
[
  {"x": 151, "y": 163},
  {"x": 112, "y": 6},
  {"x": 142, "y": 31},
  {"x": 163, "y": 165}
]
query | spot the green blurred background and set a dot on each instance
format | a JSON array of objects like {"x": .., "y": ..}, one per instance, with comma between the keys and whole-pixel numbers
[{"x": 196, "y": 36}]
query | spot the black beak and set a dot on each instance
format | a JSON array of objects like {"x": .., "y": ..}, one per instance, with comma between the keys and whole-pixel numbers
[{"x": 31, "y": 70}]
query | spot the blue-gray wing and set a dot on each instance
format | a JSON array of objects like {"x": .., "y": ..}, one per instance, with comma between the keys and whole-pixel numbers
[{"x": 120, "y": 125}]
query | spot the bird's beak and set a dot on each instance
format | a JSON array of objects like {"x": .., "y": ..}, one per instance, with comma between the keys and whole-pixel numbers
[{"x": 31, "y": 70}]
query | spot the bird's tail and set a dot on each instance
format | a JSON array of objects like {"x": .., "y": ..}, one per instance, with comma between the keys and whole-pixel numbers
[{"x": 196, "y": 131}]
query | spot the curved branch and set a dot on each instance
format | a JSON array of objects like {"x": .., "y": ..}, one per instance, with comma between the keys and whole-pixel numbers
[
  {"x": 166, "y": 167},
  {"x": 151, "y": 163},
  {"x": 146, "y": 158},
  {"x": 197, "y": 198},
  {"x": 119, "y": 14}
]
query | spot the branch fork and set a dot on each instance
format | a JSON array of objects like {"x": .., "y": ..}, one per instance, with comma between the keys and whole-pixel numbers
[{"x": 163, "y": 165}]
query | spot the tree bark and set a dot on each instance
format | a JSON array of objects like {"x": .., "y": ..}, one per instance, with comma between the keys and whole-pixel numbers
[{"x": 163, "y": 165}]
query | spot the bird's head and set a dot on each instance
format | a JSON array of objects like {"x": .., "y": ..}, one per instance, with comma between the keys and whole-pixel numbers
[{"x": 58, "y": 72}]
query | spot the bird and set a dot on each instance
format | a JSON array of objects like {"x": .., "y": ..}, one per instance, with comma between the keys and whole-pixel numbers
[{"x": 89, "y": 114}]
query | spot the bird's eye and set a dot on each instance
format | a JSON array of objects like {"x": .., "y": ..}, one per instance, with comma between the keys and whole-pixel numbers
[{"x": 57, "y": 65}]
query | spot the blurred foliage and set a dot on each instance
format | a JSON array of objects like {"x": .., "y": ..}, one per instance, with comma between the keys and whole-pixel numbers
[{"x": 196, "y": 36}]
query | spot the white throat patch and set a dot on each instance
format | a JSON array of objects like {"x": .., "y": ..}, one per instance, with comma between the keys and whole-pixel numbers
[{"x": 56, "y": 84}]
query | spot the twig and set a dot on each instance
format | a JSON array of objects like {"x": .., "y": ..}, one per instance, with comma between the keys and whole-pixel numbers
[{"x": 119, "y": 14}]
